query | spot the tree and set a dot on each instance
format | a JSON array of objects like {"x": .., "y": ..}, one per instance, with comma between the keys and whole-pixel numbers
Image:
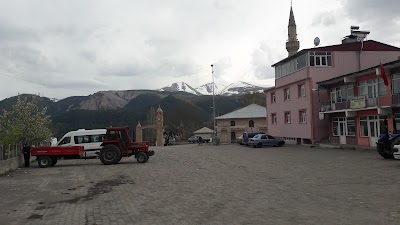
[
  {"x": 253, "y": 98},
  {"x": 25, "y": 122}
]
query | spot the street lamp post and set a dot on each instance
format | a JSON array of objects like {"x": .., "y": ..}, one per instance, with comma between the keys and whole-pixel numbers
[{"x": 212, "y": 74}]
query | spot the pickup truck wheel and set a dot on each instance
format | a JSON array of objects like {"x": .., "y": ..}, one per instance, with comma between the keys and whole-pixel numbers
[
  {"x": 44, "y": 161},
  {"x": 110, "y": 154},
  {"x": 141, "y": 157},
  {"x": 54, "y": 161}
]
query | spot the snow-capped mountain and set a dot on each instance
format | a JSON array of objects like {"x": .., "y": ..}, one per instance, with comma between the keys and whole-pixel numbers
[
  {"x": 206, "y": 89},
  {"x": 240, "y": 88},
  {"x": 180, "y": 86}
]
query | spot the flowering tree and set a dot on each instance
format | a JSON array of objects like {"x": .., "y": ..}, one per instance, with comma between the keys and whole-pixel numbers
[{"x": 25, "y": 122}]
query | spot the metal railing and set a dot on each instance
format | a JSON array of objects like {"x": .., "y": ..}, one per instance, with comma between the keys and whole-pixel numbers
[
  {"x": 359, "y": 102},
  {"x": 15, "y": 150}
]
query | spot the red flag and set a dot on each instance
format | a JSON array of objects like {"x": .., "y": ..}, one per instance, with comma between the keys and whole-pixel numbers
[{"x": 383, "y": 75}]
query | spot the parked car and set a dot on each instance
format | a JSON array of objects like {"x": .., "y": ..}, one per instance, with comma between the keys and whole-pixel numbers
[
  {"x": 239, "y": 140},
  {"x": 195, "y": 139},
  {"x": 265, "y": 140},
  {"x": 247, "y": 135}
]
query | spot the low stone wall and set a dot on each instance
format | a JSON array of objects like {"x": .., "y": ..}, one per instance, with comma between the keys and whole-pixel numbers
[{"x": 10, "y": 164}]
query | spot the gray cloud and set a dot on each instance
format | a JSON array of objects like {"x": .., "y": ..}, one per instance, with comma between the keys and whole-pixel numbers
[
  {"x": 380, "y": 17},
  {"x": 262, "y": 59},
  {"x": 90, "y": 56},
  {"x": 22, "y": 59},
  {"x": 371, "y": 10},
  {"x": 224, "y": 4},
  {"x": 13, "y": 33},
  {"x": 221, "y": 67},
  {"x": 153, "y": 68},
  {"x": 324, "y": 19}
]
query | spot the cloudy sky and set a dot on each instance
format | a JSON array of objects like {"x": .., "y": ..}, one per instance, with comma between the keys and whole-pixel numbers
[{"x": 61, "y": 48}]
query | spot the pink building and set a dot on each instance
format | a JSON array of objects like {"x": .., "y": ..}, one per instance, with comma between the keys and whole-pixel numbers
[
  {"x": 293, "y": 104},
  {"x": 361, "y": 106}
]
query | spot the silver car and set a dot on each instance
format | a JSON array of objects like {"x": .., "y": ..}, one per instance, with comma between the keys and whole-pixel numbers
[{"x": 265, "y": 140}]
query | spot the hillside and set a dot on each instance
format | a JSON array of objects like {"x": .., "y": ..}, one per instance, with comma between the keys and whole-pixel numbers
[{"x": 127, "y": 108}]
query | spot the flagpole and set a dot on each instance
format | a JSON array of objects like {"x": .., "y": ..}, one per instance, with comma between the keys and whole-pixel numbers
[{"x": 377, "y": 88}]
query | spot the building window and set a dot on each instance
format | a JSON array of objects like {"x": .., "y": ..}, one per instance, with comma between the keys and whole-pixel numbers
[
  {"x": 291, "y": 66},
  {"x": 396, "y": 83},
  {"x": 342, "y": 126},
  {"x": 251, "y": 123},
  {"x": 338, "y": 126},
  {"x": 335, "y": 127},
  {"x": 273, "y": 118},
  {"x": 369, "y": 88},
  {"x": 397, "y": 122},
  {"x": 273, "y": 98},
  {"x": 302, "y": 116},
  {"x": 287, "y": 94},
  {"x": 287, "y": 118},
  {"x": 302, "y": 90},
  {"x": 342, "y": 94},
  {"x": 351, "y": 126},
  {"x": 233, "y": 123},
  {"x": 364, "y": 126},
  {"x": 320, "y": 59}
]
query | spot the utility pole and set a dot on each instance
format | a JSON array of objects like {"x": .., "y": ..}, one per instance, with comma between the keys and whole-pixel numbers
[{"x": 212, "y": 74}]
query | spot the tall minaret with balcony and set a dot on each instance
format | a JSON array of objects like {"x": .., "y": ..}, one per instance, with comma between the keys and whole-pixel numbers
[{"x": 292, "y": 45}]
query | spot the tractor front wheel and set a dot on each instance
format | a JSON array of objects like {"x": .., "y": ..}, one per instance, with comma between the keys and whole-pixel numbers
[
  {"x": 110, "y": 154},
  {"x": 141, "y": 157}
]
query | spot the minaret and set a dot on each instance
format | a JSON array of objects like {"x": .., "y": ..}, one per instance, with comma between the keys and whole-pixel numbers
[{"x": 292, "y": 45}]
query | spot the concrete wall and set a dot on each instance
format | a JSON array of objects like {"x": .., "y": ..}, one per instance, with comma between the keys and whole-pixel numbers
[{"x": 10, "y": 164}]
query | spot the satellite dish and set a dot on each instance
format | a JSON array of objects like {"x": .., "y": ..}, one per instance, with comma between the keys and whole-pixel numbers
[{"x": 317, "y": 41}]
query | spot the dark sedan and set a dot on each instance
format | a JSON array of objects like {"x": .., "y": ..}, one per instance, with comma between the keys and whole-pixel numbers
[{"x": 265, "y": 140}]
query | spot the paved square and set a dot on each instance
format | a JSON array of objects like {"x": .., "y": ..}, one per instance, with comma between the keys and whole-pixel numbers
[{"x": 228, "y": 184}]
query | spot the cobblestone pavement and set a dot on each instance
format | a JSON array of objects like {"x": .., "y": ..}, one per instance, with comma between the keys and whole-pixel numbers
[{"x": 228, "y": 184}]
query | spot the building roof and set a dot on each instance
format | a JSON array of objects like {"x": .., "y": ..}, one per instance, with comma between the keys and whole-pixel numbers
[
  {"x": 204, "y": 130},
  {"x": 292, "y": 22},
  {"x": 388, "y": 65},
  {"x": 250, "y": 111},
  {"x": 369, "y": 45}
]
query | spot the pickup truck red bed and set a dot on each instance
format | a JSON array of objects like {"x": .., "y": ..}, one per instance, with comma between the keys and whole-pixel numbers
[{"x": 48, "y": 156}]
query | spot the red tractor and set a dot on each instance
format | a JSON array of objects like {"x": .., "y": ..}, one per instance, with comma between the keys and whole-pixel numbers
[{"x": 117, "y": 144}]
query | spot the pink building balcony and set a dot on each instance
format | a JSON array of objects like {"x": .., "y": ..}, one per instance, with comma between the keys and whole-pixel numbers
[{"x": 360, "y": 103}]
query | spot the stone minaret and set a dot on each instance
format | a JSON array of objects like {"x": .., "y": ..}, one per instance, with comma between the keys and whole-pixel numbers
[
  {"x": 292, "y": 45},
  {"x": 160, "y": 126}
]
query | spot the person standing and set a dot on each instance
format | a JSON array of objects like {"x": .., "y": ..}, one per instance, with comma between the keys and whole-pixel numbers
[
  {"x": 200, "y": 140},
  {"x": 26, "y": 150}
]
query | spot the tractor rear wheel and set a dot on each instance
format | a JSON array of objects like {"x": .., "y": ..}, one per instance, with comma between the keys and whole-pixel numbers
[
  {"x": 141, "y": 157},
  {"x": 110, "y": 154}
]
